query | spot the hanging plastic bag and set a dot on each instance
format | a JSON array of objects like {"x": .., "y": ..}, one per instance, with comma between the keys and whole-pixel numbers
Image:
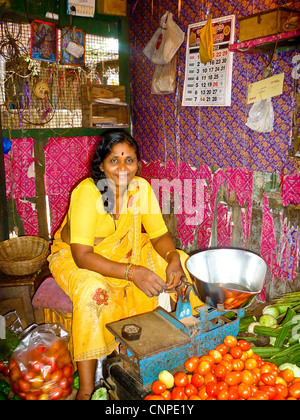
[
  {"x": 165, "y": 42},
  {"x": 164, "y": 78},
  {"x": 41, "y": 366},
  {"x": 261, "y": 116},
  {"x": 206, "y": 49}
]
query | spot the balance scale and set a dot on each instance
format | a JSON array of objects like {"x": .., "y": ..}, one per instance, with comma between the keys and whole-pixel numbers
[
  {"x": 166, "y": 342},
  {"x": 158, "y": 340}
]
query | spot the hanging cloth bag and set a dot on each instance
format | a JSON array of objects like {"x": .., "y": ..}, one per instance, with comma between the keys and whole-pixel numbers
[
  {"x": 165, "y": 42},
  {"x": 207, "y": 41}
]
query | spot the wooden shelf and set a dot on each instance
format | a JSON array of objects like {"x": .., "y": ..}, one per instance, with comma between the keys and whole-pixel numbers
[{"x": 284, "y": 40}]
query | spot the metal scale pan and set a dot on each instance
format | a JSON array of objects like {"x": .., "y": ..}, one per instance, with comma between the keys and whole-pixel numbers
[{"x": 229, "y": 277}]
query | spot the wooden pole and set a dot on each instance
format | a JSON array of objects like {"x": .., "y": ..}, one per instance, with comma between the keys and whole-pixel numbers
[{"x": 4, "y": 234}]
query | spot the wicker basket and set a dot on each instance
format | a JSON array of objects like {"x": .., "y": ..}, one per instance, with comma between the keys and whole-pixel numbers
[{"x": 23, "y": 255}]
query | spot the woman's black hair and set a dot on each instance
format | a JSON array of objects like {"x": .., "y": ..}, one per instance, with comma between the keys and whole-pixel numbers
[{"x": 109, "y": 139}]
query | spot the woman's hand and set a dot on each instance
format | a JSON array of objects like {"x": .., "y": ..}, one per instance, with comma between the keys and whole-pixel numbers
[
  {"x": 174, "y": 272},
  {"x": 147, "y": 281}
]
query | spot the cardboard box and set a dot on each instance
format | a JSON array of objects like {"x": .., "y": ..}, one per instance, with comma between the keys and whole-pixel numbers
[
  {"x": 269, "y": 23},
  {"x": 112, "y": 7}
]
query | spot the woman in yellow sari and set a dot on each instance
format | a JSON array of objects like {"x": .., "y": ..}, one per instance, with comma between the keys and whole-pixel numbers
[{"x": 101, "y": 258}]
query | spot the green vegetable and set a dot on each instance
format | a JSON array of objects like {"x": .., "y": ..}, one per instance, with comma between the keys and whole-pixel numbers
[
  {"x": 4, "y": 387},
  {"x": 245, "y": 322},
  {"x": 2, "y": 397},
  {"x": 267, "y": 321},
  {"x": 76, "y": 380},
  {"x": 271, "y": 310},
  {"x": 285, "y": 328},
  {"x": 294, "y": 368},
  {"x": 100, "y": 394},
  {"x": 266, "y": 352},
  {"x": 8, "y": 345}
]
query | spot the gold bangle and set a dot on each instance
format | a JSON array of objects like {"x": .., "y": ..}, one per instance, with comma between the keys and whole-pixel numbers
[
  {"x": 169, "y": 252},
  {"x": 129, "y": 271}
]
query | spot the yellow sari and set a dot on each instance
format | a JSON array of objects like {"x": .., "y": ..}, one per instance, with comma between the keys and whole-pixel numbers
[{"x": 98, "y": 300}]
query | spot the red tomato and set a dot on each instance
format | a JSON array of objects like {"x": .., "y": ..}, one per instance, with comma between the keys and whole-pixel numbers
[
  {"x": 2, "y": 366},
  {"x": 216, "y": 355},
  {"x": 260, "y": 395},
  {"x": 37, "y": 382},
  {"x": 223, "y": 395},
  {"x": 37, "y": 366},
  {"x": 236, "y": 352},
  {"x": 287, "y": 375},
  {"x": 268, "y": 379},
  {"x": 222, "y": 386},
  {"x": 197, "y": 380},
  {"x": 67, "y": 371},
  {"x": 230, "y": 341},
  {"x": 244, "y": 345},
  {"x": 158, "y": 387},
  {"x": 181, "y": 379},
  {"x": 24, "y": 385},
  {"x": 220, "y": 371},
  {"x": 247, "y": 377},
  {"x": 212, "y": 389},
  {"x": 166, "y": 395},
  {"x": 63, "y": 383},
  {"x": 178, "y": 393},
  {"x": 244, "y": 391},
  {"x": 222, "y": 348},
  {"x": 56, "y": 394},
  {"x": 250, "y": 364},
  {"x": 270, "y": 391},
  {"x": 282, "y": 390},
  {"x": 190, "y": 389},
  {"x": 191, "y": 364},
  {"x": 31, "y": 396},
  {"x": 238, "y": 365},
  {"x": 233, "y": 393},
  {"x": 233, "y": 378},
  {"x": 204, "y": 368},
  {"x": 294, "y": 390},
  {"x": 153, "y": 397},
  {"x": 57, "y": 375},
  {"x": 6, "y": 371}
]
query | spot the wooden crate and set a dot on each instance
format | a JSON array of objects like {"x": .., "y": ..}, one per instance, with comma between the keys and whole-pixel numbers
[
  {"x": 268, "y": 23},
  {"x": 112, "y": 7},
  {"x": 95, "y": 114}
]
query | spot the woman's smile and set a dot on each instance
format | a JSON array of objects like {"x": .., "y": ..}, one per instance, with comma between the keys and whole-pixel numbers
[{"x": 121, "y": 165}]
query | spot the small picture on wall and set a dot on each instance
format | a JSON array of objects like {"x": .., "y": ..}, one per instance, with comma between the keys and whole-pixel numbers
[
  {"x": 72, "y": 47},
  {"x": 44, "y": 38}
]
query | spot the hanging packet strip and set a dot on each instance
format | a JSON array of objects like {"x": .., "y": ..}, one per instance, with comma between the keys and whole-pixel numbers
[
  {"x": 206, "y": 49},
  {"x": 165, "y": 42}
]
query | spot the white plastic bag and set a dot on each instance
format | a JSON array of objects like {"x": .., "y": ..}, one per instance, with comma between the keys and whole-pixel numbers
[
  {"x": 165, "y": 42},
  {"x": 261, "y": 116},
  {"x": 164, "y": 78}
]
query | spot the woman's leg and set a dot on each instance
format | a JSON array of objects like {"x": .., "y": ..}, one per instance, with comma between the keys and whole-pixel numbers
[{"x": 86, "y": 371}]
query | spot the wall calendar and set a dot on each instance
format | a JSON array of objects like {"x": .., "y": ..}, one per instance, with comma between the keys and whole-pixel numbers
[{"x": 209, "y": 84}]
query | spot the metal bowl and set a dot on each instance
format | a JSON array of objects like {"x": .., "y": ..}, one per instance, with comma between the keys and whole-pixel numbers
[{"x": 230, "y": 277}]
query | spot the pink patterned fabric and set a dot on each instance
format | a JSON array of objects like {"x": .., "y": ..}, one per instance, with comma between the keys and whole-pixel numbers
[
  {"x": 67, "y": 163},
  {"x": 17, "y": 163},
  {"x": 268, "y": 240},
  {"x": 290, "y": 192},
  {"x": 241, "y": 181},
  {"x": 18, "y": 185}
]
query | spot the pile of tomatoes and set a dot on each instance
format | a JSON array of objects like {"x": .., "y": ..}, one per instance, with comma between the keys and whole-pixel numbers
[
  {"x": 232, "y": 371},
  {"x": 42, "y": 373}
]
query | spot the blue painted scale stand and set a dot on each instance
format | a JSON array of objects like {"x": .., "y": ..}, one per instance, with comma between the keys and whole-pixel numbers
[{"x": 167, "y": 341}]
